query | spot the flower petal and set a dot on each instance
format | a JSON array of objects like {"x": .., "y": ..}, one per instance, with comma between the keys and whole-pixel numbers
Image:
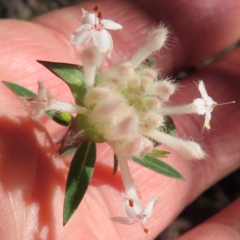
[
  {"x": 207, "y": 120},
  {"x": 109, "y": 24},
  {"x": 147, "y": 213},
  {"x": 203, "y": 91},
  {"x": 132, "y": 212},
  {"x": 103, "y": 41},
  {"x": 82, "y": 34},
  {"x": 88, "y": 18},
  {"x": 123, "y": 220},
  {"x": 199, "y": 106},
  {"x": 42, "y": 92}
]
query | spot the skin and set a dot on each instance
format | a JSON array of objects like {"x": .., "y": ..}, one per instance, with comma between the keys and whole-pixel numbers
[{"x": 32, "y": 178}]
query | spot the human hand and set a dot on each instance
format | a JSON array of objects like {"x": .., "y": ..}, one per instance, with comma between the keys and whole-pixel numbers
[{"x": 33, "y": 182}]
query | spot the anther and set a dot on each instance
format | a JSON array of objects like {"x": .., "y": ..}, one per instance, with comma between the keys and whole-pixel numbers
[
  {"x": 145, "y": 230},
  {"x": 131, "y": 203},
  {"x": 96, "y": 9}
]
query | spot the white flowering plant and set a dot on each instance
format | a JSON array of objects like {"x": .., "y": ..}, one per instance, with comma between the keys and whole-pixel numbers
[{"x": 126, "y": 106}]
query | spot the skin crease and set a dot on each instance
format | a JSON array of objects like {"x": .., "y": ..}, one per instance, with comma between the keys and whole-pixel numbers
[{"x": 198, "y": 29}]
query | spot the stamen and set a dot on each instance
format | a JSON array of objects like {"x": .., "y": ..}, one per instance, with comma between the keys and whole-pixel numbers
[
  {"x": 145, "y": 230},
  {"x": 220, "y": 104},
  {"x": 138, "y": 217},
  {"x": 96, "y": 9},
  {"x": 99, "y": 18},
  {"x": 131, "y": 203}
]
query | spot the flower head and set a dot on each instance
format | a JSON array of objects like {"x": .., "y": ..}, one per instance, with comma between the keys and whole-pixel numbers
[{"x": 94, "y": 28}]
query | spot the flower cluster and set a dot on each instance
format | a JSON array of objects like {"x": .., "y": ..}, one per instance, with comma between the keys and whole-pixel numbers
[{"x": 126, "y": 104}]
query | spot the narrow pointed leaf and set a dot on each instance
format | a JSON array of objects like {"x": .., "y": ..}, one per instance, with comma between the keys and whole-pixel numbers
[
  {"x": 66, "y": 153},
  {"x": 158, "y": 153},
  {"x": 158, "y": 166},
  {"x": 115, "y": 164},
  {"x": 71, "y": 74},
  {"x": 60, "y": 118},
  {"x": 79, "y": 131},
  {"x": 19, "y": 90},
  {"x": 79, "y": 176}
]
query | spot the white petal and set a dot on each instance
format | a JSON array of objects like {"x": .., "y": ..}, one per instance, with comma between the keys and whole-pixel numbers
[
  {"x": 132, "y": 211},
  {"x": 109, "y": 24},
  {"x": 103, "y": 41},
  {"x": 147, "y": 213},
  {"x": 202, "y": 90},
  {"x": 124, "y": 220},
  {"x": 199, "y": 106},
  {"x": 82, "y": 34},
  {"x": 88, "y": 18},
  {"x": 207, "y": 120},
  {"x": 210, "y": 104},
  {"x": 42, "y": 92}
]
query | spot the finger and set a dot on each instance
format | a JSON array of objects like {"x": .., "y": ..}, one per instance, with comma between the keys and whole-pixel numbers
[
  {"x": 31, "y": 183},
  {"x": 198, "y": 29},
  {"x": 224, "y": 225}
]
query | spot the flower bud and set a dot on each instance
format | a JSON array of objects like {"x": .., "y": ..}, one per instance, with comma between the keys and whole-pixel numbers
[
  {"x": 151, "y": 103},
  {"x": 155, "y": 41},
  {"x": 163, "y": 89},
  {"x": 129, "y": 148},
  {"x": 122, "y": 130},
  {"x": 96, "y": 95},
  {"x": 108, "y": 109},
  {"x": 153, "y": 120}
]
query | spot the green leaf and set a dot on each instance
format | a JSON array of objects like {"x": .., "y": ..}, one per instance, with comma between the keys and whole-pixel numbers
[
  {"x": 150, "y": 62},
  {"x": 19, "y": 90},
  {"x": 158, "y": 153},
  {"x": 60, "y": 118},
  {"x": 66, "y": 153},
  {"x": 72, "y": 75},
  {"x": 79, "y": 131},
  {"x": 157, "y": 166},
  {"x": 169, "y": 126},
  {"x": 79, "y": 176},
  {"x": 115, "y": 164}
]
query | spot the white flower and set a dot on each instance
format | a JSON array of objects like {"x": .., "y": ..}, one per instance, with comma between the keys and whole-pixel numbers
[
  {"x": 204, "y": 105},
  {"x": 95, "y": 28},
  {"x": 132, "y": 207},
  {"x": 201, "y": 106},
  {"x": 135, "y": 212},
  {"x": 45, "y": 102}
]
